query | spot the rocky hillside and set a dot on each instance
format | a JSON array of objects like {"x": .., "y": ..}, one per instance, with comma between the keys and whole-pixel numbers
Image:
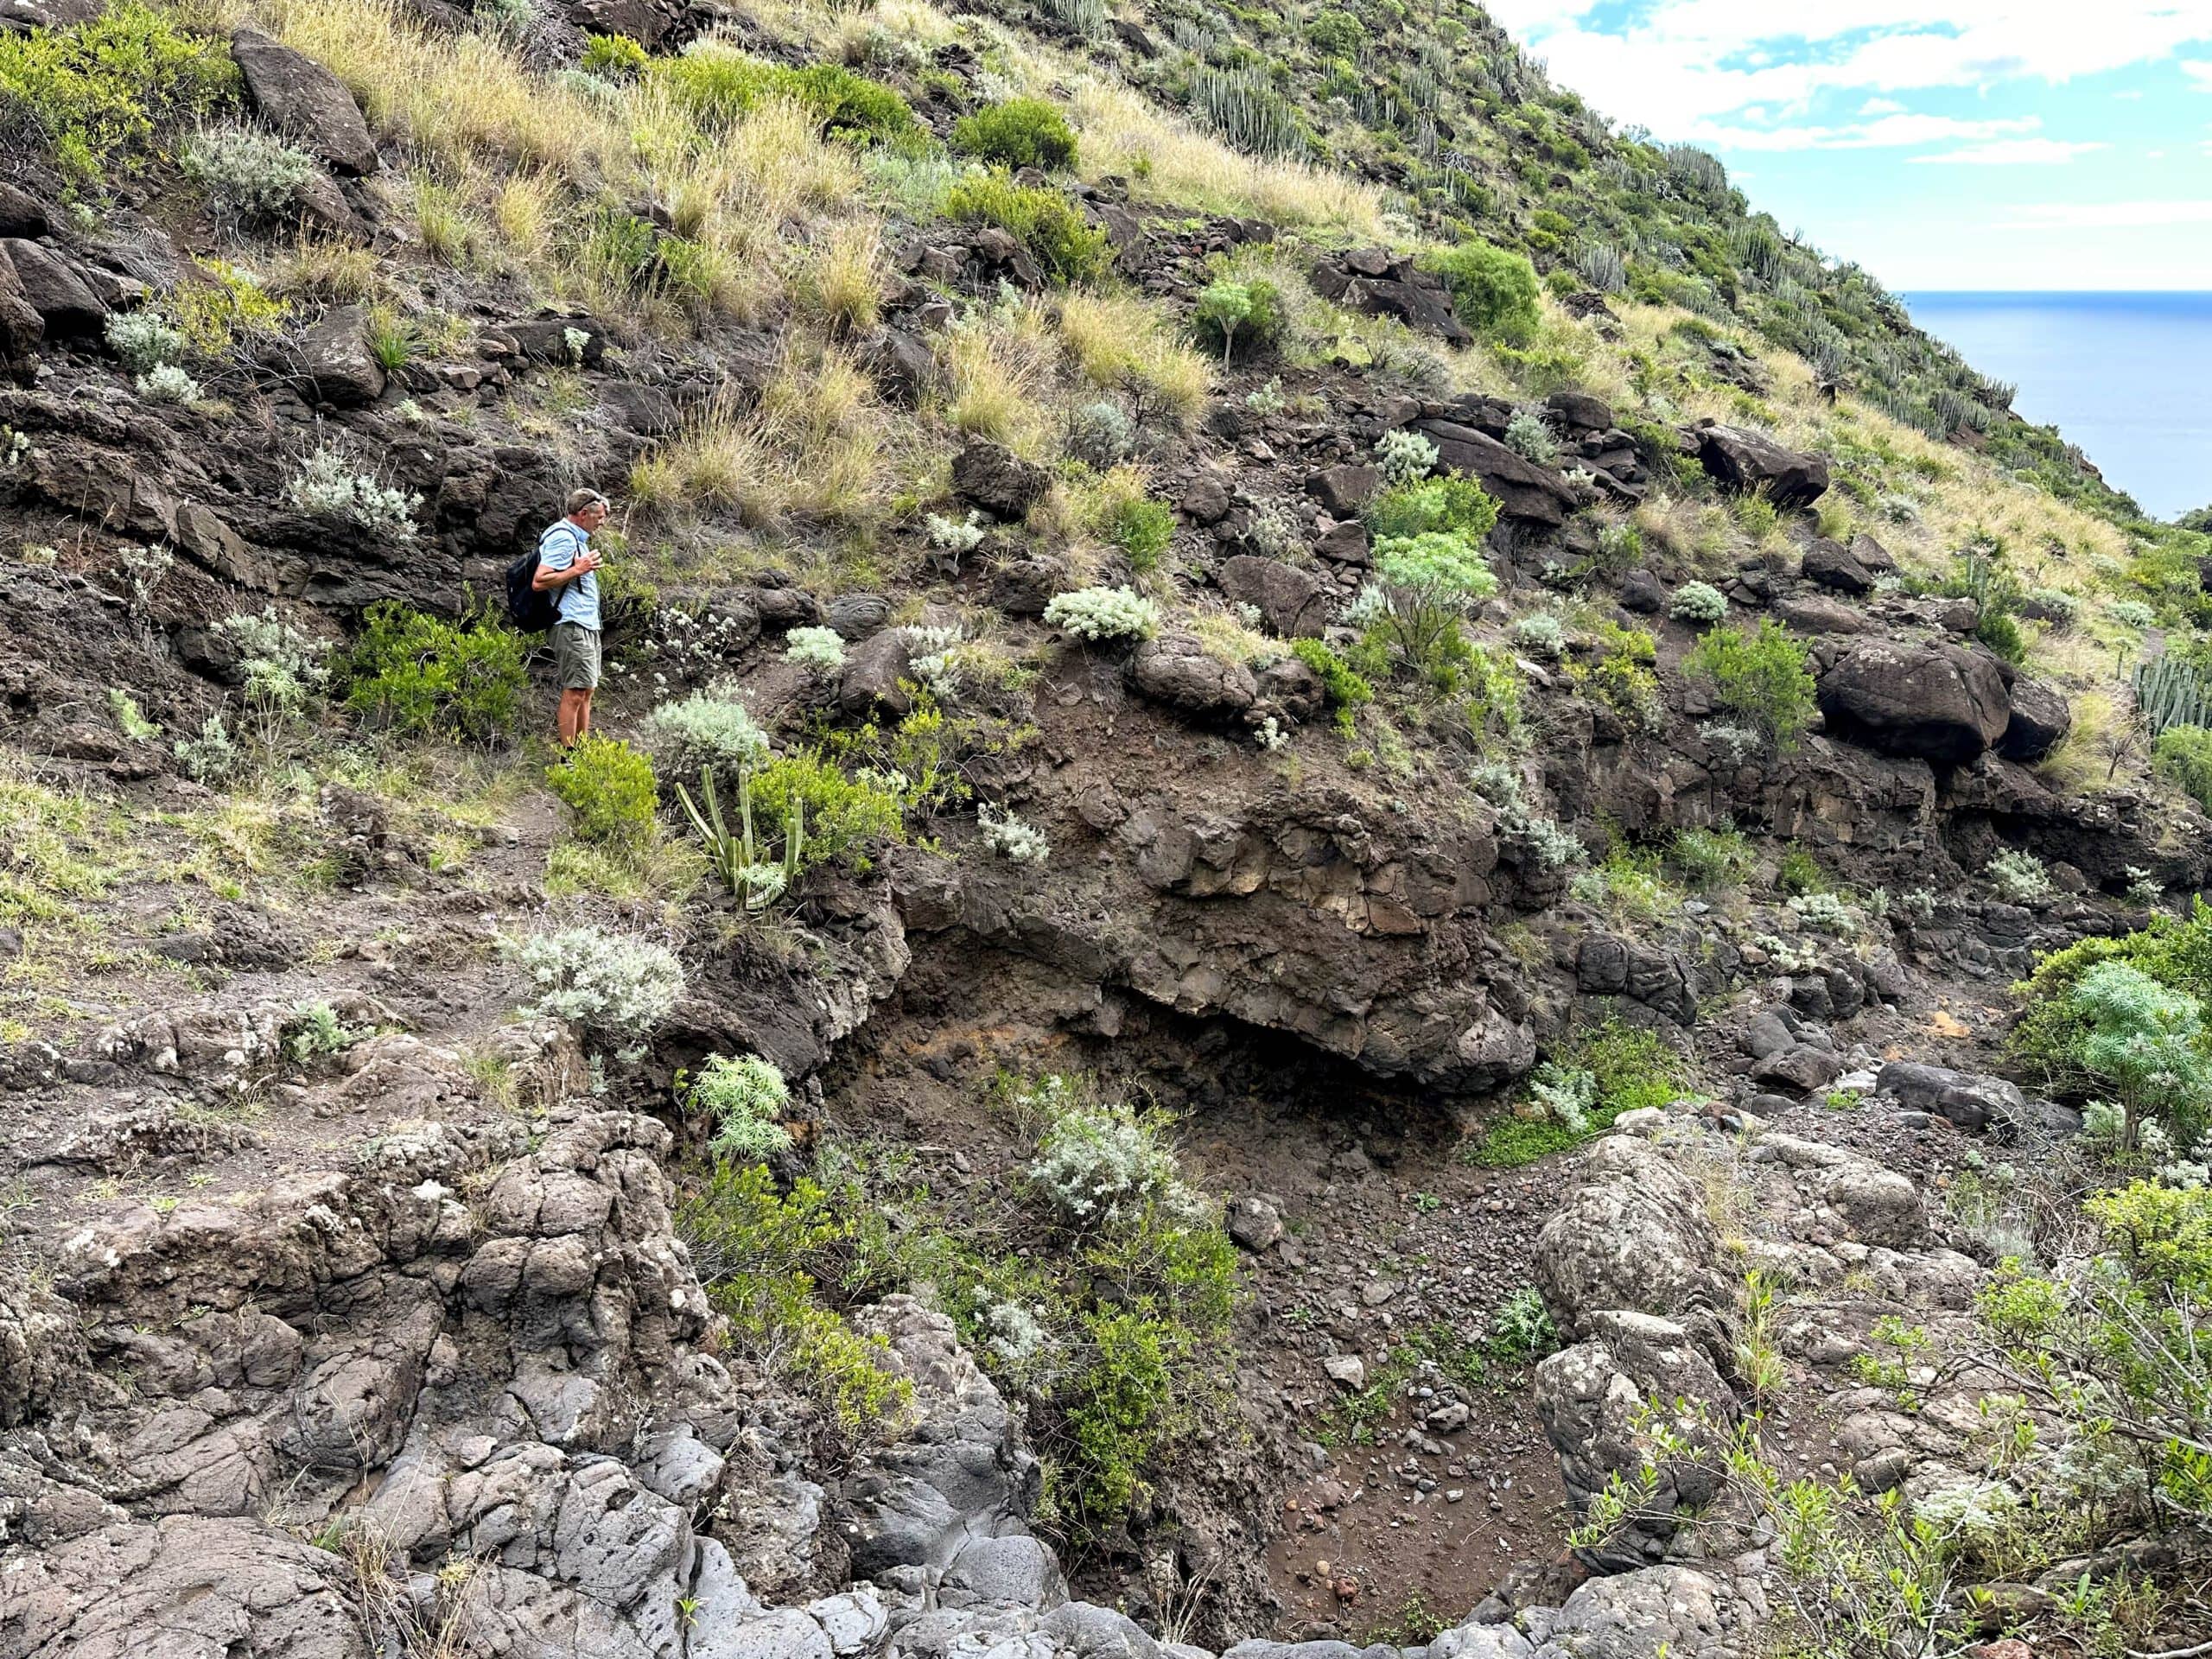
[{"x": 1353, "y": 876}]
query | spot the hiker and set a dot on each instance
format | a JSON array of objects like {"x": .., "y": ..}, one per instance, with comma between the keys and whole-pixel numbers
[{"x": 566, "y": 563}]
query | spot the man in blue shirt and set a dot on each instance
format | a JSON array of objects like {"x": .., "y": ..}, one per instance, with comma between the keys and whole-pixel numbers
[{"x": 566, "y": 562}]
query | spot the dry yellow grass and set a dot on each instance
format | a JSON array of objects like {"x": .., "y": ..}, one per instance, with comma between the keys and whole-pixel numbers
[
  {"x": 1122, "y": 342},
  {"x": 843, "y": 277},
  {"x": 1168, "y": 160},
  {"x": 819, "y": 447},
  {"x": 1000, "y": 367}
]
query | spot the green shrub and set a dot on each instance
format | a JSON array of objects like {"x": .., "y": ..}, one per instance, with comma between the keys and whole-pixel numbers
[
  {"x": 717, "y": 85},
  {"x": 845, "y": 816},
  {"x": 1044, "y": 221},
  {"x": 1426, "y": 583},
  {"x": 1020, "y": 132},
  {"x": 608, "y": 787},
  {"x": 1142, "y": 528},
  {"x": 1226, "y": 310},
  {"x": 1104, "y": 613},
  {"x": 613, "y": 57},
  {"x": 1619, "y": 674},
  {"x": 1442, "y": 503},
  {"x": 104, "y": 91},
  {"x": 1711, "y": 858},
  {"x": 1335, "y": 33},
  {"x": 749, "y": 1244},
  {"x": 2185, "y": 754},
  {"x": 1760, "y": 676},
  {"x": 1346, "y": 688},
  {"x": 415, "y": 674},
  {"x": 1493, "y": 289},
  {"x": 1623, "y": 1067},
  {"x": 744, "y": 1098}
]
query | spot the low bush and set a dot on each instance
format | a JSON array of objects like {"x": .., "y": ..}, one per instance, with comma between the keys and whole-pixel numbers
[
  {"x": 1698, "y": 604},
  {"x": 1719, "y": 857},
  {"x": 1344, "y": 687},
  {"x": 1527, "y": 435},
  {"x": 1230, "y": 311},
  {"x": 1452, "y": 504},
  {"x": 1493, "y": 289},
  {"x": 1020, "y": 132},
  {"x": 1404, "y": 456},
  {"x": 249, "y": 175},
  {"x": 717, "y": 84},
  {"x": 1104, "y": 613},
  {"x": 101, "y": 91},
  {"x": 1606, "y": 1070},
  {"x": 2019, "y": 876},
  {"x": 1014, "y": 839},
  {"x": 1044, "y": 221},
  {"x": 845, "y": 817},
  {"x": 1540, "y": 634},
  {"x": 608, "y": 986},
  {"x": 709, "y": 728},
  {"x": 1140, "y": 527},
  {"x": 613, "y": 57},
  {"x": 327, "y": 486},
  {"x": 1101, "y": 1166},
  {"x": 744, "y": 1099},
  {"x": 751, "y": 1245},
  {"x": 608, "y": 787},
  {"x": 1425, "y": 584},
  {"x": 1760, "y": 676},
  {"x": 416, "y": 674},
  {"x": 822, "y": 648}
]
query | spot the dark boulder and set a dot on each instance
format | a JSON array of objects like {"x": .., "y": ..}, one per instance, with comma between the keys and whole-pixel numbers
[
  {"x": 1939, "y": 702},
  {"x": 1872, "y": 555},
  {"x": 874, "y": 675},
  {"x": 1815, "y": 613},
  {"x": 1383, "y": 284},
  {"x": 1833, "y": 565},
  {"x": 1176, "y": 668},
  {"x": 566, "y": 340},
  {"x": 1524, "y": 490},
  {"x": 1972, "y": 1100},
  {"x": 1345, "y": 543},
  {"x": 634, "y": 407},
  {"x": 1205, "y": 500},
  {"x": 22, "y": 213},
  {"x": 1742, "y": 460},
  {"x": 21, "y": 328},
  {"x": 1344, "y": 490},
  {"x": 2040, "y": 722},
  {"x": 51, "y": 288},
  {"x": 857, "y": 616},
  {"x": 1578, "y": 411},
  {"x": 1288, "y": 598},
  {"x": 335, "y": 359},
  {"x": 903, "y": 364},
  {"x": 302, "y": 100},
  {"x": 996, "y": 479}
]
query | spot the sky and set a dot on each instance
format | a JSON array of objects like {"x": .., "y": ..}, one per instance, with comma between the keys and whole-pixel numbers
[{"x": 1943, "y": 144}]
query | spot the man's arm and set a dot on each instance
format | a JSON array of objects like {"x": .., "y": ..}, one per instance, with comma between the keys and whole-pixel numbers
[{"x": 559, "y": 566}]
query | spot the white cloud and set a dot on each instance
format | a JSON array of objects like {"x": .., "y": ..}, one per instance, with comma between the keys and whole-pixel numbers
[
  {"x": 1684, "y": 62},
  {"x": 1881, "y": 106},
  {"x": 2014, "y": 152},
  {"x": 1889, "y": 132},
  {"x": 2199, "y": 73},
  {"x": 2106, "y": 215}
]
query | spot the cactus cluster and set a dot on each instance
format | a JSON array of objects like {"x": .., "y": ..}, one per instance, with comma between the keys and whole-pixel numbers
[
  {"x": 1247, "y": 111},
  {"x": 2170, "y": 691},
  {"x": 754, "y": 880}
]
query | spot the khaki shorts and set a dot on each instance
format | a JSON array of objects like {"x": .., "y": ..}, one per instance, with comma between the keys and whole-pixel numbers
[{"x": 576, "y": 655}]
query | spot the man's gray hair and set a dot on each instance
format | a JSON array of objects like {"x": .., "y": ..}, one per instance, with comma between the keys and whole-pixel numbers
[{"x": 579, "y": 499}]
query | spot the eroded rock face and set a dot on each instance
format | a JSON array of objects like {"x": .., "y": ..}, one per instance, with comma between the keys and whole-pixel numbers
[
  {"x": 1632, "y": 1235},
  {"x": 1938, "y": 702}
]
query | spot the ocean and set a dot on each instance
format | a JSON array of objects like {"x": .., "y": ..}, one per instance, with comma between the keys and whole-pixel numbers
[{"x": 2126, "y": 377}]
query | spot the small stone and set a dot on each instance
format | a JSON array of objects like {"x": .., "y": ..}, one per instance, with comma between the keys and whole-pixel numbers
[{"x": 1346, "y": 1370}]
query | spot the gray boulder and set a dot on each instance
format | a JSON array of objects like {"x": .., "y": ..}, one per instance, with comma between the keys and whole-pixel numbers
[
  {"x": 1287, "y": 597},
  {"x": 1594, "y": 1399},
  {"x": 335, "y": 359},
  {"x": 1939, "y": 702},
  {"x": 51, "y": 288},
  {"x": 873, "y": 675},
  {"x": 304, "y": 100},
  {"x": 2040, "y": 720},
  {"x": 1632, "y": 1234},
  {"x": 1540, "y": 495},
  {"x": 1742, "y": 460},
  {"x": 1177, "y": 669},
  {"x": 1833, "y": 565},
  {"x": 21, "y": 328}
]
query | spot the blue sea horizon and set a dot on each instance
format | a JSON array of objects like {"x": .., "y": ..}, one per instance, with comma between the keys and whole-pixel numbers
[{"x": 2125, "y": 375}]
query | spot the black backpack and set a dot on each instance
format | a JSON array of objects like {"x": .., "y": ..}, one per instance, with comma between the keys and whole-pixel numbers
[{"x": 532, "y": 608}]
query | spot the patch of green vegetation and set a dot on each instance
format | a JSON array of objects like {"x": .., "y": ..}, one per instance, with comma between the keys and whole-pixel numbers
[
  {"x": 718, "y": 86},
  {"x": 1712, "y": 858},
  {"x": 2184, "y": 754},
  {"x": 753, "y": 1246},
  {"x": 414, "y": 673},
  {"x": 1044, "y": 221},
  {"x": 608, "y": 787},
  {"x": 1140, "y": 527},
  {"x": 1759, "y": 675},
  {"x": 1020, "y": 132},
  {"x": 1626, "y": 1067},
  {"x": 2050, "y": 1038},
  {"x": 1228, "y": 311},
  {"x": 1493, "y": 289},
  {"x": 845, "y": 816},
  {"x": 103, "y": 93}
]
